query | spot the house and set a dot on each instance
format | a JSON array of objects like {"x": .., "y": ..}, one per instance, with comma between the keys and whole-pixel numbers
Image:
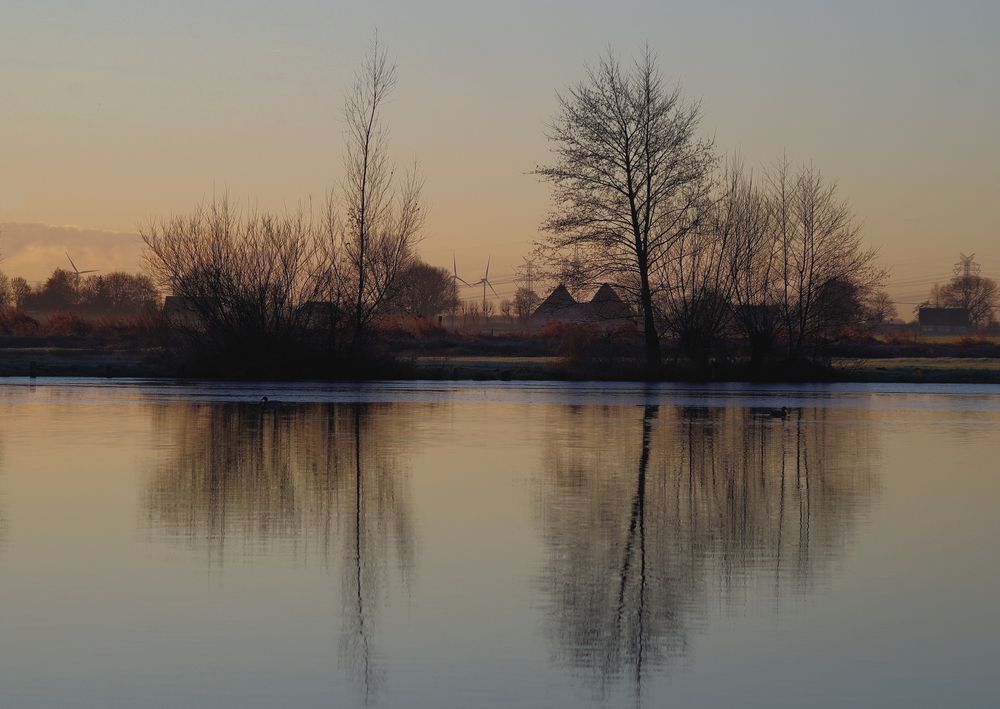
[
  {"x": 944, "y": 321},
  {"x": 605, "y": 309}
]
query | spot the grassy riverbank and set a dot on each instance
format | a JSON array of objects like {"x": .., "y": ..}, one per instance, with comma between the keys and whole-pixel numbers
[{"x": 968, "y": 370}]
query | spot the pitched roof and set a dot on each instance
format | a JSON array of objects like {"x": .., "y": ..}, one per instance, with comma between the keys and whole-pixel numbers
[
  {"x": 559, "y": 300},
  {"x": 608, "y": 305},
  {"x": 605, "y": 294}
]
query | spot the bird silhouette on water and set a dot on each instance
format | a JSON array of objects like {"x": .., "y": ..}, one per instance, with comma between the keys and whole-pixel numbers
[{"x": 266, "y": 403}]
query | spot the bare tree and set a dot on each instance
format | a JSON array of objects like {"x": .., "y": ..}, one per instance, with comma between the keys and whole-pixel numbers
[
  {"x": 423, "y": 291},
  {"x": 245, "y": 276},
  {"x": 821, "y": 249},
  {"x": 525, "y": 302},
  {"x": 6, "y": 294},
  {"x": 119, "y": 293},
  {"x": 471, "y": 313},
  {"x": 382, "y": 216},
  {"x": 628, "y": 178},
  {"x": 569, "y": 269},
  {"x": 754, "y": 264},
  {"x": 880, "y": 307},
  {"x": 705, "y": 266},
  {"x": 798, "y": 269},
  {"x": 936, "y": 300},
  {"x": 258, "y": 282},
  {"x": 20, "y": 289},
  {"x": 969, "y": 290}
]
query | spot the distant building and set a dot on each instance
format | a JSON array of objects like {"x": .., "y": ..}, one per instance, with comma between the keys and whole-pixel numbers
[
  {"x": 944, "y": 321},
  {"x": 560, "y": 306},
  {"x": 605, "y": 309}
]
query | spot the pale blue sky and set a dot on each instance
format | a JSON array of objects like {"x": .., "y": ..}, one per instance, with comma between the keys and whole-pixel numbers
[{"x": 115, "y": 111}]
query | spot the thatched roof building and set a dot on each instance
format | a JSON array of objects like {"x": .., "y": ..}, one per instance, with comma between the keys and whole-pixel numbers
[
  {"x": 605, "y": 309},
  {"x": 560, "y": 305}
]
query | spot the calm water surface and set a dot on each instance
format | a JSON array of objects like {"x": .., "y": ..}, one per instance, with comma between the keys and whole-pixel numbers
[{"x": 461, "y": 545}]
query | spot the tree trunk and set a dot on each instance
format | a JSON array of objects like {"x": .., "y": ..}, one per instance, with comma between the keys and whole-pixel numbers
[{"x": 653, "y": 357}]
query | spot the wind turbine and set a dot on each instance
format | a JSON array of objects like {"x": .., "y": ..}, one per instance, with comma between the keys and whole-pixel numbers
[
  {"x": 455, "y": 278},
  {"x": 485, "y": 281},
  {"x": 77, "y": 271}
]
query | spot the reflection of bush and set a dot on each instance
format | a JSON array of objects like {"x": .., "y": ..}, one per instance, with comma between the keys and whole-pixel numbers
[
  {"x": 239, "y": 473},
  {"x": 648, "y": 514},
  {"x": 323, "y": 478}
]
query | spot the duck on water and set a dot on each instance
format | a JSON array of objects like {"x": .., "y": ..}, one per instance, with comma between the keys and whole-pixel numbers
[{"x": 266, "y": 403}]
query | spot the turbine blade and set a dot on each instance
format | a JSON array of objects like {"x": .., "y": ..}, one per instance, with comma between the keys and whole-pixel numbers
[
  {"x": 77, "y": 270},
  {"x": 487, "y": 267},
  {"x": 493, "y": 289}
]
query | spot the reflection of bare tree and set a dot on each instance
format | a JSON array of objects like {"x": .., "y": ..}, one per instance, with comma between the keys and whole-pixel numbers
[
  {"x": 373, "y": 486},
  {"x": 322, "y": 479},
  {"x": 3, "y": 521},
  {"x": 651, "y": 515}
]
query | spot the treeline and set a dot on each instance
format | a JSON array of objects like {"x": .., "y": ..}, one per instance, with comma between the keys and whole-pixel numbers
[
  {"x": 112, "y": 294},
  {"x": 116, "y": 293},
  {"x": 775, "y": 260},
  {"x": 703, "y": 250}
]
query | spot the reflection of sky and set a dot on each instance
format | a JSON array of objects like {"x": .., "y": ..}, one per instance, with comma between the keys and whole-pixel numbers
[
  {"x": 116, "y": 111},
  {"x": 100, "y": 613}
]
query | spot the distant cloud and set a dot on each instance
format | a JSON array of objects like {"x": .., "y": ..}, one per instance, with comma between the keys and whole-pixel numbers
[{"x": 35, "y": 250}]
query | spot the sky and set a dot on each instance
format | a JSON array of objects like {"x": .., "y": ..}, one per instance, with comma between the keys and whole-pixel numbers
[{"x": 115, "y": 112}]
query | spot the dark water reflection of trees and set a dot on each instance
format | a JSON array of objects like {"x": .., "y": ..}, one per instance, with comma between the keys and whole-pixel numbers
[
  {"x": 3, "y": 521},
  {"x": 652, "y": 515},
  {"x": 326, "y": 481}
]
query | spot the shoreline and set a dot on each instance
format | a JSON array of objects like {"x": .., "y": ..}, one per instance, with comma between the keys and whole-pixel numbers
[{"x": 43, "y": 362}]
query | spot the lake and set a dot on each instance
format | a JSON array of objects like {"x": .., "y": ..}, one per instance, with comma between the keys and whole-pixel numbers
[{"x": 498, "y": 544}]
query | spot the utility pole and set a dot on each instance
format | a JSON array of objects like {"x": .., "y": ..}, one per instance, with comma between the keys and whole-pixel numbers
[
  {"x": 967, "y": 266},
  {"x": 528, "y": 274}
]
